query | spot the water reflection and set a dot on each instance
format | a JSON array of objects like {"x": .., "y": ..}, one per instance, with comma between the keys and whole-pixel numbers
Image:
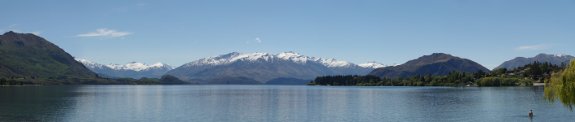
[
  {"x": 119, "y": 103},
  {"x": 35, "y": 103},
  {"x": 223, "y": 103}
]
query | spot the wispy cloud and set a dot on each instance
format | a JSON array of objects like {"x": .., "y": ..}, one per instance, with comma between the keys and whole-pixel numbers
[
  {"x": 12, "y": 27},
  {"x": 258, "y": 40},
  {"x": 532, "y": 47},
  {"x": 104, "y": 32}
]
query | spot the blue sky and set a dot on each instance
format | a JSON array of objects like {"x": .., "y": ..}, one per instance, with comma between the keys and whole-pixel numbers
[{"x": 385, "y": 31}]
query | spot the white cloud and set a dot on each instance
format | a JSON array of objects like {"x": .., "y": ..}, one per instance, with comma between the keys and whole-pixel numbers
[
  {"x": 104, "y": 32},
  {"x": 258, "y": 40},
  {"x": 532, "y": 47},
  {"x": 12, "y": 27}
]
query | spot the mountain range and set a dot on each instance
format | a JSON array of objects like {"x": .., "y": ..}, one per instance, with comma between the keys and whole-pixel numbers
[
  {"x": 30, "y": 58},
  {"x": 522, "y": 61},
  {"x": 265, "y": 68},
  {"x": 294, "y": 68},
  {"x": 134, "y": 70},
  {"x": 434, "y": 64}
]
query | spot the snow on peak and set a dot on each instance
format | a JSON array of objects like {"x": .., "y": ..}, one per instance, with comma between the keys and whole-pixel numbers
[
  {"x": 252, "y": 57},
  {"x": 560, "y": 55},
  {"x": 84, "y": 61},
  {"x": 335, "y": 63},
  {"x": 159, "y": 64},
  {"x": 284, "y": 56},
  {"x": 232, "y": 57},
  {"x": 89, "y": 63},
  {"x": 288, "y": 55},
  {"x": 235, "y": 56},
  {"x": 295, "y": 57},
  {"x": 135, "y": 66},
  {"x": 373, "y": 65}
]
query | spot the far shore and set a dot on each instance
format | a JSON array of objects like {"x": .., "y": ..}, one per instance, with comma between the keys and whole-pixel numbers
[{"x": 538, "y": 84}]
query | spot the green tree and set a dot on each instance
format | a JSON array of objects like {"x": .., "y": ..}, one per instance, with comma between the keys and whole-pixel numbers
[
  {"x": 562, "y": 86},
  {"x": 499, "y": 71}
]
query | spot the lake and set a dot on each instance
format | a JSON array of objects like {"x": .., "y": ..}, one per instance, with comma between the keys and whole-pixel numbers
[{"x": 275, "y": 103}]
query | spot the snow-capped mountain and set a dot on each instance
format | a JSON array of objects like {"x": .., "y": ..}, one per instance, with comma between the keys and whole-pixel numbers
[
  {"x": 234, "y": 68},
  {"x": 136, "y": 66},
  {"x": 285, "y": 56},
  {"x": 373, "y": 65},
  {"x": 130, "y": 70},
  {"x": 556, "y": 59}
]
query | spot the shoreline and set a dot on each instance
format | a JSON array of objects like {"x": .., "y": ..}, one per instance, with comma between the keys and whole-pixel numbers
[{"x": 539, "y": 84}]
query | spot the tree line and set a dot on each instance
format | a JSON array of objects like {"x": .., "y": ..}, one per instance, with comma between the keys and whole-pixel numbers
[{"x": 522, "y": 76}]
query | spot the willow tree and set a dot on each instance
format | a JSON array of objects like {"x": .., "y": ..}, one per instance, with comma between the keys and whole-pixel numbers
[{"x": 561, "y": 86}]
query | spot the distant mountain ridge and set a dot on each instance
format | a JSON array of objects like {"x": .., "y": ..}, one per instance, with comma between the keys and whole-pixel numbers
[
  {"x": 434, "y": 64},
  {"x": 542, "y": 57},
  {"x": 264, "y": 67},
  {"x": 28, "y": 57},
  {"x": 130, "y": 70}
]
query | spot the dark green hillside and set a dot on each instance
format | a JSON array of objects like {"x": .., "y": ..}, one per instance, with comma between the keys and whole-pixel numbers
[
  {"x": 32, "y": 59},
  {"x": 434, "y": 64}
]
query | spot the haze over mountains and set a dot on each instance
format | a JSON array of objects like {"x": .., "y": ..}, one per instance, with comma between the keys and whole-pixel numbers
[
  {"x": 264, "y": 68},
  {"x": 522, "y": 61},
  {"x": 130, "y": 70}
]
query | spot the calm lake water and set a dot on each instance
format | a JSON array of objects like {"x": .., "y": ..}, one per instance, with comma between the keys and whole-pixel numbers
[{"x": 269, "y": 103}]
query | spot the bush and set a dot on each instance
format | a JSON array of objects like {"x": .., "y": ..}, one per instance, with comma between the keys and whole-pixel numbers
[{"x": 501, "y": 81}]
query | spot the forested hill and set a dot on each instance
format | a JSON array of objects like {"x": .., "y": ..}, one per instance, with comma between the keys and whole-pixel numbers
[
  {"x": 28, "y": 57},
  {"x": 434, "y": 64},
  {"x": 521, "y": 76}
]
